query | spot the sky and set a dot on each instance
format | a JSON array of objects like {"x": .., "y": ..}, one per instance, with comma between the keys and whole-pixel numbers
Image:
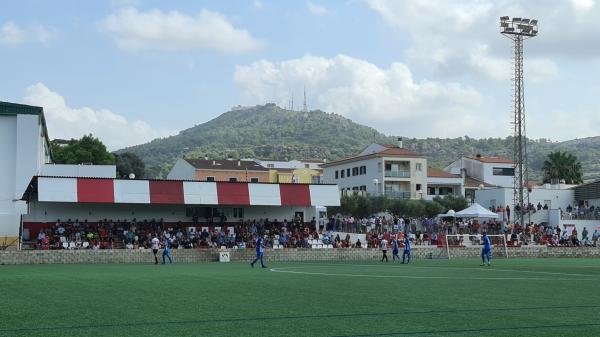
[{"x": 130, "y": 71}]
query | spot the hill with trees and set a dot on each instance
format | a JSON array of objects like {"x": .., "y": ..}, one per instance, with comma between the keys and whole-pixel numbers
[{"x": 270, "y": 132}]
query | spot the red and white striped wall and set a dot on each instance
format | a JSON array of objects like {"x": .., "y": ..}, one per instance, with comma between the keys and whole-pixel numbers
[{"x": 93, "y": 190}]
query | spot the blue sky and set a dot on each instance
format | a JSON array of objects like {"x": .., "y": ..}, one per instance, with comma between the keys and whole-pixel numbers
[{"x": 421, "y": 68}]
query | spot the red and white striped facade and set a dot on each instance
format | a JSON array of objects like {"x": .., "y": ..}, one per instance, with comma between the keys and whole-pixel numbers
[{"x": 174, "y": 192}]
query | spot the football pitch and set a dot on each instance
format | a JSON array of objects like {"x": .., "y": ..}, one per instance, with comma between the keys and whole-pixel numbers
[{"x": 516, "y": 297}]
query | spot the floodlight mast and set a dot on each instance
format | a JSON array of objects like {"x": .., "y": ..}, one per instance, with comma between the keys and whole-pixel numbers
[{"x": 518, "y": 30}]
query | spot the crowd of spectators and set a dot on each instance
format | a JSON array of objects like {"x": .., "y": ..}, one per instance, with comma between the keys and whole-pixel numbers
[{"x": 136, "y": 234}]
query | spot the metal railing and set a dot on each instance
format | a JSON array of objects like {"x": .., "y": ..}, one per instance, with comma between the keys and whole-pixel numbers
[
  {"x": 397, "y": 195},
  {"x": 397, "y": 174}
]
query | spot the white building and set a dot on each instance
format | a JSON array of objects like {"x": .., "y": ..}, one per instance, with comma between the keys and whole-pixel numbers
[
  {"x": 25, "y": 153},
  {"x": 24, "y": 148},
  {"x": 290, "y": 164},
  {"x": 386, "y": 169},
  {"x": 441, "y": 183},
  {"x": 496, "y": 171}
]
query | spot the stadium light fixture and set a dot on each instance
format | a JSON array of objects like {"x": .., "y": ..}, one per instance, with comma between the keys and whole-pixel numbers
[{"x": 522, "y": 27}]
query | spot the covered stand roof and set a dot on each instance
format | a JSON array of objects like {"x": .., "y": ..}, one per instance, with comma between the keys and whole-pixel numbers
[{"x": 178, "y": 192}]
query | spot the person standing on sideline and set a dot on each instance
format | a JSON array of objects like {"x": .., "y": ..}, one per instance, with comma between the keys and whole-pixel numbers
[
  {"x": 395, "y": 249},
  {"x": 155, "y": 245},
  {"x": 384, "y": 247},
  {"x": 406, "y": 252},
  {"x": 167, "y": 251},
  {"x": 486, "y": 252},
  {"x": 259, "y": 253}
]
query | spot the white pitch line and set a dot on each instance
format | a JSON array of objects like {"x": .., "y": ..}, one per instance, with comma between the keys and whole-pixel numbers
[
  {"x": 450, "y": 268},
  {"x": 280, "y": 270}
]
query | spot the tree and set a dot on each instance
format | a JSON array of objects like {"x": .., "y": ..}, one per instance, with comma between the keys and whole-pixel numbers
[
  {"x": 452, "y": 202},
  {"x": 87, "y": 150},
  {"x": 129, "y": 163},
  {"x": 562, "y": 166}
]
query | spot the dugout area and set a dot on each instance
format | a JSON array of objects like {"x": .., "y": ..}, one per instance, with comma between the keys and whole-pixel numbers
[{"x": 524, "y": 297}]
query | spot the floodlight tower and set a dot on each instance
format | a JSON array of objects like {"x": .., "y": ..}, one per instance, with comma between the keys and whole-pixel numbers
[{"x": 518, "y": 30}]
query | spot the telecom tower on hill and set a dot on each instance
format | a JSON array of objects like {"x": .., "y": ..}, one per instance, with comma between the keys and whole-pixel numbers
[{"x": 518, "y": 30}]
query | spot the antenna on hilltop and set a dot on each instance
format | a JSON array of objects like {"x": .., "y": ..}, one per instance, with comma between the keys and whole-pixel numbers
[{"x": 304, "y": 107}]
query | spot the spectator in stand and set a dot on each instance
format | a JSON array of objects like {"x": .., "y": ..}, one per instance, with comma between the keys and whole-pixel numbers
[{"x": 595, "y": 237}]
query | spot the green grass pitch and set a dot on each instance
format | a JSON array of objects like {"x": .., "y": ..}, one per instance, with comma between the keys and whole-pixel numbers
[{"x": 535, "y": 297}]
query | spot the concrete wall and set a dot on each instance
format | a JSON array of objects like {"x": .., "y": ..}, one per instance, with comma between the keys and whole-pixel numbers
[
  {"x": 279, "y": 255},
  {"x": 8, "y": 153}
]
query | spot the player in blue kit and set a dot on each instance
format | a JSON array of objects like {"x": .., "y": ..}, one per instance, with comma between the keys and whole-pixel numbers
[
  {"x": 395, "y": 249},
  {"x": 406, "y": 252},
  {"x": 259, "y": 253},
  {"x": 486, "y": 252},
  {"x": 167, "y": 250}
]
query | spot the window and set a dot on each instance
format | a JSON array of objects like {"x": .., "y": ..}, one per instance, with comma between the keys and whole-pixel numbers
[
  {"x": 354, "y": 171},
  {"x": 446, "y": 190},
  {"x": 210, "y": 178},
  {"x": 363, "y": 170},
  {"x": 253, "y": 180},
  {"x": 503, "y": 171},
  {"x": 238, "y": 212},
  {"x": 430, "y": 190},
  {"x": 418, "y": 166},
  {"x": 336, "y": 174},
  {"x": 388, "y": 167},
  {"x": 270, "y": 165},
  {"x": 355, "y": 188},
  {"x": 363, "y": 188},
  {"x": 306, "y": 165},
  {"x": 418, "y": 187},
  {"x": 232, "y": 180},
  {"x": 347, "y": 172},
  {"x": 379, "y": 167},
  {"x": 342, "y": 172}
]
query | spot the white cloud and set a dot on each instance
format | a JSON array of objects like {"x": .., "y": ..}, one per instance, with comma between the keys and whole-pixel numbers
[
  {"x": 316, "y": 9},
  {"x": 156, "y": 30},
  {"x": 388, "y": 99},
  {"x": 462, "y": 37},
  {"x": 67, "y": 122},
  {"x": 13, "y": 34}
]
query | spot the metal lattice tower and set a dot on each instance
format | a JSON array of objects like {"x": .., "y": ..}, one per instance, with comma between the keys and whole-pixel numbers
[{"x": 518, "y": 30}]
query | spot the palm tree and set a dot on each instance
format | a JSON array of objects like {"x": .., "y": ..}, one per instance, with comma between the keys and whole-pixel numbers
[{"x": 562, "y": 166}]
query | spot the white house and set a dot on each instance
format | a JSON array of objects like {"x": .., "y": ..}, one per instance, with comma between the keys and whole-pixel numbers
[
  {"x": 380, "y": 169},
  {"x": 496, "y": 171},
  {"x": 441, "y": 183}
]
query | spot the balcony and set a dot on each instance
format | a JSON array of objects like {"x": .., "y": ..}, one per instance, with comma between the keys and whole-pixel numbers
[
  {"x": 397, "y": 195},
  {"x": 397, "y": 174}
]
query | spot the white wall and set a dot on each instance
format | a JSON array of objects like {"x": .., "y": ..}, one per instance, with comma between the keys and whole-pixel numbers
[
  {"x": 182, "y": 170},
  {"x": 490, "y": 178},
  {"x": 8, "y": 148},
  {"x": 359, "y": 180},
  {"x": 96, "y": 171}
]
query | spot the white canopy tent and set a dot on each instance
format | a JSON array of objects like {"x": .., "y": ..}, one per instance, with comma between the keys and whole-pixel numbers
[{"x": 476, "y": 211}]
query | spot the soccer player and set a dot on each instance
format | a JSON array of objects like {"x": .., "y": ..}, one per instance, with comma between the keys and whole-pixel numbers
[
  {"x": 395, "y": 249},
  {"x": 384, "y": 247},
  {"x": 167, "y": 251},
  {"x": 155, "y": 245},
  {"x": 406, "y": 252},
  {"x": 486, "y": 252},
  {"x": 259, "y": 253}
]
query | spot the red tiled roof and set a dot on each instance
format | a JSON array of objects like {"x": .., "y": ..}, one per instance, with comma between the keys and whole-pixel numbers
[
  {"x": 437, "y": 173},
  {"x": 230, "y": 165},
  {"x": 471, "y": 182},
  {"x": 389, "y": 152},
  {"x": 497, "y": 160}
]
